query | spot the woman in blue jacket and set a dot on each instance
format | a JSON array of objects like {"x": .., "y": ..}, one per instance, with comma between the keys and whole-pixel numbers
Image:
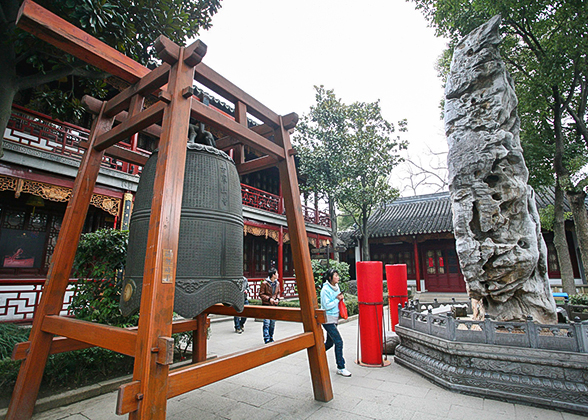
[{"x": 330, "y": 297}]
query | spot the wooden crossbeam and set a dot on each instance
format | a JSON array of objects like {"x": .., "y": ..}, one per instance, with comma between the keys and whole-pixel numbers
[
  {"x": 255, "y": 165},
  {"x": 131, "y": 126},
  {"x": 217, "y": 83},
  {"x": 195, "y": 376},
  {"x": 266, "y": 312},
  {"x": 67, "y": 37},
  {"x": 94, "y": 105},
  {"x": 62, "y": 344},
  {"x": 147, "y": 85},
  {"x": 217, "y": 120},
  {"x": 112, "y": 338}
]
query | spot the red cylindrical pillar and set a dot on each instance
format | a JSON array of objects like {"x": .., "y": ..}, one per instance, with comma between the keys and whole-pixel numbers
[
  {"x": 397, "y": 290},
  {"x": 370, "y": 296}
]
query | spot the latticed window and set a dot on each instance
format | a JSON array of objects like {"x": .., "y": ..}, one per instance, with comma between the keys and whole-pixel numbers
[
  {"x": 552, "y": 259},
  {"x": 431, "y": 268}
]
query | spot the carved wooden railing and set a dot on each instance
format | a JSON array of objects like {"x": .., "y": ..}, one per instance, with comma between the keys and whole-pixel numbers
[{"x": 19, "y": 299}]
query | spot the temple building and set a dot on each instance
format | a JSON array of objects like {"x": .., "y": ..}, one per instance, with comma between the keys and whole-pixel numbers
[{"x": 418, "y": 231}]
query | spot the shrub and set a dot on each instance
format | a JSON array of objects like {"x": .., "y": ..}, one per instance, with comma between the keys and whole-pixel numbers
[
  {"x": 318, "y": 270},
  {"x": 11, "y": 334},
  {"x": 99, "y": 261},
  {"x": 579, "y": 299}
]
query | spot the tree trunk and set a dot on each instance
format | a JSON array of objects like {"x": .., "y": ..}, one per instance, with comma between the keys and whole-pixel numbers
[
  {"x": 561, "y": 177},
  {"x": 333, "y": 216},
  {"x": 561, "y": 243},
  {"x": 365, "y": 242},
  {"x": 7, "y": 94},
  {"x": 8, "y": 79},
  {"x": 576, "y": 199}
]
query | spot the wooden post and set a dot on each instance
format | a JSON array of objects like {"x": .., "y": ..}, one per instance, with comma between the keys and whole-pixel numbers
[
  {"x": 157, "y": 298},
  {"x": 31, "y": 371},
  {"x": 319, "y": 371},
  {"x": 199, "y": 338}
]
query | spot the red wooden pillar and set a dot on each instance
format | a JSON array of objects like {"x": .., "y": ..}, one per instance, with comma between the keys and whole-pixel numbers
[
  {"x": 281, "y": 258},
  {"x": 417, "y": 270}
]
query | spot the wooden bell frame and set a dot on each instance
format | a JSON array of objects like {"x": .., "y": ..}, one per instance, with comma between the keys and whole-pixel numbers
[{"x": 145, "y": 397}]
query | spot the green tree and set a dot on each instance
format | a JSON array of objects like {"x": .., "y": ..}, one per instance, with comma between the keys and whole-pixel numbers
[
  {"x": 545, "y": 46},
  {"x": 129, "y": 26},
  {"x": 347, "y": 153}
]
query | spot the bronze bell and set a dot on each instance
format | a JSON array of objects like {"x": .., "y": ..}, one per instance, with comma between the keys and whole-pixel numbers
[{"x": 210, "y": 250}]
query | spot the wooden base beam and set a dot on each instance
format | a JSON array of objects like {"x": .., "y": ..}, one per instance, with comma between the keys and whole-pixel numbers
[
  {"x": 63, "y": 344},
  {"x": 106, "y": 336},
  {"x": 195, "y": 376}
]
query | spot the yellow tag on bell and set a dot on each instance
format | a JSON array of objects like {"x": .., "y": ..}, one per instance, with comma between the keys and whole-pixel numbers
[{"x": 167, "y": 266}]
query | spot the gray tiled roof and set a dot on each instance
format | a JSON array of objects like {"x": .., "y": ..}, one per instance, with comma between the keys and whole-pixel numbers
[
  {"x": 421, "y": 214},
  {"x": 429, "y": 213}
]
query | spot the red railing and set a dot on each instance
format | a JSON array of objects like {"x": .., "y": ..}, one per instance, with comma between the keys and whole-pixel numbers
[
  {"x": 40, "y": 131},
  {"x": 289, "y": 288},
  {"x": 263, "y": 200}
]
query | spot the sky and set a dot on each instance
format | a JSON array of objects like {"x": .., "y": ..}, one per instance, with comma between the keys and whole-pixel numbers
[{"x": 277, "y": 51}]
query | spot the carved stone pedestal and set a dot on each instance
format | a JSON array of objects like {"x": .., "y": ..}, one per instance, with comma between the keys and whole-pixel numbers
[{"x": 545, "y": 378}]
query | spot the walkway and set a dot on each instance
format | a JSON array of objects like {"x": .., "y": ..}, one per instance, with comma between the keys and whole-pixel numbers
[{"x": 282, "y": 390}]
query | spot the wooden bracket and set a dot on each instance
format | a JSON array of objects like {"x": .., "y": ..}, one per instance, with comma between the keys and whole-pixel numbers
[
  {"x": 187, "y": 92},
  {"x": 165, "y": 350},
  {"x": 169, "y": 52},
  {"x": 164, "y": 96},
  {"x": 194, "y": 53}
]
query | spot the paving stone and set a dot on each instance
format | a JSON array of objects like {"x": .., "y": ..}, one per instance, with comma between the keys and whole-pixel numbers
[
  {"x": 326, "y": 413},
  {"x": 499, "y": 407},
  {"x": 404, "y": 389},
  {"x": 242, "y": 411},
  {"x": 381, "y": 411},
  {"x": 251, "y": 396},
  {"x": 459, "y": 412},
  {"x": 369, "y": 394},
  {"x": 419, "y": 415},
  {"x": 341, "y": 402},
  {"x": 419, "y": 403},
  {"x": 293, "y": 408},
  {"x": 366, "y": 382},
  {"x": 570, "y": 416},
  {"x": 526, "y": 412},
  {"x": 455, "y": 398}
]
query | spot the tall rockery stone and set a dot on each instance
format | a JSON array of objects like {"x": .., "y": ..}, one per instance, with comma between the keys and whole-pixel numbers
[{"x": 498, "y": 234}]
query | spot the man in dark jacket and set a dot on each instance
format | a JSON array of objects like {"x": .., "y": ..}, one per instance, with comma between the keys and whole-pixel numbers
[{"x": 269, "y": 292}]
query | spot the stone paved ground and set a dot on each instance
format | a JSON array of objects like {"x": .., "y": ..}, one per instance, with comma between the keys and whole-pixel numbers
[{"x": 282, "y": 390}]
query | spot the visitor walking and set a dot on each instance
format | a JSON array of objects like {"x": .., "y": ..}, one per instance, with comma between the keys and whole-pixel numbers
[
  {"x": 330, "y": 297},
  {"x": 239, "y": 321},
  {"x": 269, "y": 293}
]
